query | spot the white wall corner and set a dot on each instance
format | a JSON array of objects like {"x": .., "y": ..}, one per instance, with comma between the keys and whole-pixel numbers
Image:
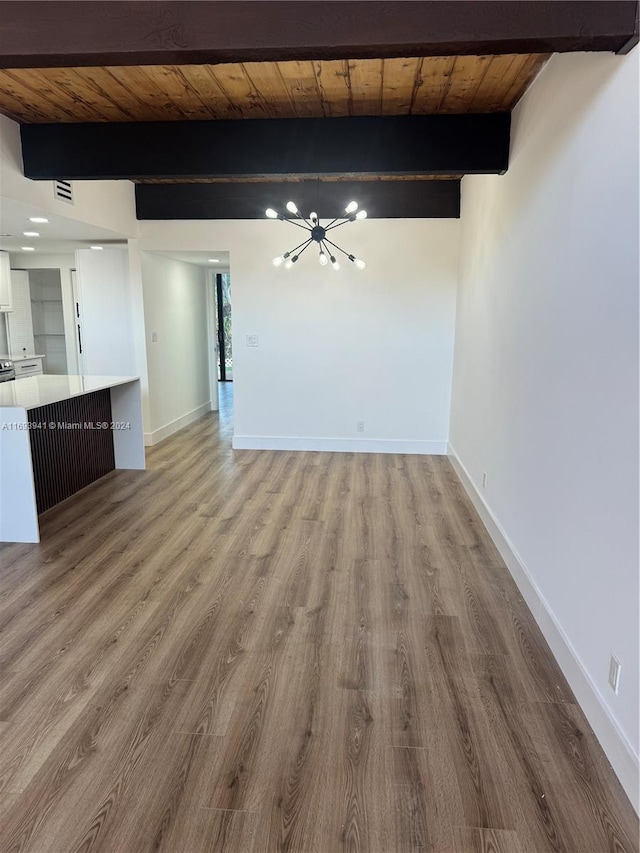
[
  {"x": 619, "y": 751},
  {"x": 158, "y": 435},
  {"x": 136, "y": 293}
]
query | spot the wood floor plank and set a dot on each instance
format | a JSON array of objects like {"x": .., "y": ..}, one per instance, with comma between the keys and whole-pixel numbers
[
  {"x": 534, "y": 811},
  {"x": 426, "y": 797},
  {"x": 537, "y": 668},
  {"x": 477, "y": 774},
  {"x": 486, "y": 841},
  {"x": 251, "y": 651}
]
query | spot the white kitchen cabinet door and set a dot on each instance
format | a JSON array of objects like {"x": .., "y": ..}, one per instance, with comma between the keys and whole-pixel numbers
[
  {"x": 20, "y": 320},
  {"x": 6, "y": 300}
]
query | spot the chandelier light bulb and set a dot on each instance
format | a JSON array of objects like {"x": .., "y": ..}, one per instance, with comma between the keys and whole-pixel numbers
[
  {"x": 353, "y": 205},
  {"x": 360, "y": 264},
  {"x": 361, "y": 214},
  {"x": 335, "y": 264},
  {"x": 313, "y": 216},
  {"x": 271, "y": 213},
  {"x": 292, "y": 207},
  {"x": 288, "y": 264},
  {"x": 323, "y": 259},
  {"x": 277, "y": 261}
]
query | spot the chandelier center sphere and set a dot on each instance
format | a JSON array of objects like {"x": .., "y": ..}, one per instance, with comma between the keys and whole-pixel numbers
[{"x": 318, "y": 233}]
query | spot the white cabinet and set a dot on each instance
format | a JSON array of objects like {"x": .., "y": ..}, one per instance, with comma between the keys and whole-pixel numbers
[
  {"x": 6, "y": 302},
  {"x": 19, "y": 321},
  {"x": 28, "y": 367}
]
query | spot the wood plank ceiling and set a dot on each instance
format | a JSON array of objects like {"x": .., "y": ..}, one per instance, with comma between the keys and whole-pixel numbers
[
  {"x": 287, "y": 89},
  {"x": 88, "y": 78}
]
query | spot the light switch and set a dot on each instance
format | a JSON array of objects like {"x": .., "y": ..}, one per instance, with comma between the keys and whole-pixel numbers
[
  {"x": 154, "y": 337},
  {"x": 252, "y": 340}
]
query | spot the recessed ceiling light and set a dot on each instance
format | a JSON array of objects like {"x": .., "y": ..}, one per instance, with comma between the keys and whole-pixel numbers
[
  {"x": 31, "y": 233},
  {"x": 37, "y": 219},
  {"x": 27, "y": 249},
  {"x": 97, "y": 248},
  {"x": 214, "y": 260}
]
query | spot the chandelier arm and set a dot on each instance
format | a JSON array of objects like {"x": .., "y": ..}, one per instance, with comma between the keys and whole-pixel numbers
[
  {"x": 331, "y": 227},
  {"x": 337, "y": 247},
  {"x": 297, "y": 224},
  {"x": 306, "y": 246},
  {"x": 300, "y": 244}
]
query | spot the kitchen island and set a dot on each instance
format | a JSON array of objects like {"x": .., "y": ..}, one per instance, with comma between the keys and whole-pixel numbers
[{"x": 58, "y": 434}]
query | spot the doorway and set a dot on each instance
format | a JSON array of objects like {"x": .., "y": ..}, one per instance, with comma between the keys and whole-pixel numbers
[
  {"x": 223, "y": 326},
  {"x": 37, "y": 327},
  {"x": 47, "y": 314}
]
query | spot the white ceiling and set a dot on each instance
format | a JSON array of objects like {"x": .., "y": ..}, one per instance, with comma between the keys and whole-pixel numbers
[
  {"x": 57, "y": 235},
  {"x": 62, "y": 236},
  {"x": 202, "y": 259}
]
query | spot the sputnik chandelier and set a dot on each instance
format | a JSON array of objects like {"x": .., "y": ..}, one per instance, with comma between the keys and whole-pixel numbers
[{"x": 317, "y": 234}]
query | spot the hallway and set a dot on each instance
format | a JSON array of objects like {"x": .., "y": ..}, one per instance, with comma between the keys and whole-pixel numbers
[{"x": 262, "y": 651}]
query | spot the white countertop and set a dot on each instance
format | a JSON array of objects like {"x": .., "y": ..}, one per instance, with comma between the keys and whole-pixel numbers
[
  {"x": 35, "y": 391},
  {"x": 20, "y": 357}
]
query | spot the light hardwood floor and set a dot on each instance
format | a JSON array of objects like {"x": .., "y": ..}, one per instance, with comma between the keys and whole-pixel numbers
[{"x": 257, "y": 651}]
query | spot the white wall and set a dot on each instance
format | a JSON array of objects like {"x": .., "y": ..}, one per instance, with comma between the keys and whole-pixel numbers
[
  {"x": 335, "y": 348},
  {"x": 175, "y": 309},
  {"x": 108, "y": 204},
  {"x": 545, "y": 391}
]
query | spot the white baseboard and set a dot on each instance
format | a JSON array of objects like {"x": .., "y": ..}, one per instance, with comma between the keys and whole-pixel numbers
[
  {"x": 158, "y": 435},
  {"x": 613, "y": 740},
  {"x": 338, "y": 445}
]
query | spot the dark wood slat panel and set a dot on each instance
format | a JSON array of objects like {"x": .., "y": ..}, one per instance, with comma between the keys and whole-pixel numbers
[
  {"x": 55, "y": 33},
  {"x": 381, "y": 199},
  {"x": 66, "y": 459},
  {"x": 407, "y": 145}
]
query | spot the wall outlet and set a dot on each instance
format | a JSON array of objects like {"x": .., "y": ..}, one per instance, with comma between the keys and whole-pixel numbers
[
  {"x": 360, "y": 426},
  {"x": 614, "y": 673},
  {"x": 154, "y": 337},
  {"x": 252, "y": 340},
  {"x": 484, "y": 480}
]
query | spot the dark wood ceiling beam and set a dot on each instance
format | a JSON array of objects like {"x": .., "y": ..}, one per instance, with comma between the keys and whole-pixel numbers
[
  {"x": 51, "y": 33},
  {"x": 381, "y": 199},
  {"x": 388, "y": 145}
]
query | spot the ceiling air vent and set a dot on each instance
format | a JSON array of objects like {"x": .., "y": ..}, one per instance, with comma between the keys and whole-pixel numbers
[{"x": 63, "y": 191}]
